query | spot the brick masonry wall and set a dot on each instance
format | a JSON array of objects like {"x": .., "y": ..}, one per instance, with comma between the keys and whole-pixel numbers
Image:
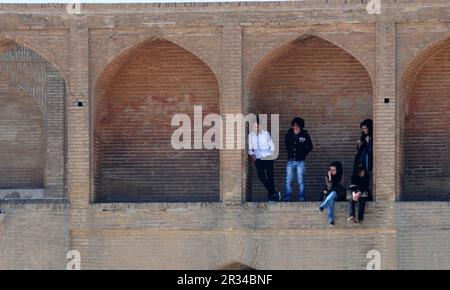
[
  {"x": 138, "y": 162},
  {"x": 22, "y": 136},
  {"x": 427, "y": 131},
  {"x": 42, "y": 124},
  {"x": 34, "y": 236},
  {"x": 327, "y": 87},
  {"x": 231, "y": 39}
]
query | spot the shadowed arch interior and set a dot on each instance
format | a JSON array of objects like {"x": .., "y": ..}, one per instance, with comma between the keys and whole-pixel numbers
[
  {"x": 22, "y": 139},
  {"x": 32, "y": 124},
  {"x": 425, "y": 93},
  {"x": 136, "y": 98},
  {"x": 329, "y": 88}
]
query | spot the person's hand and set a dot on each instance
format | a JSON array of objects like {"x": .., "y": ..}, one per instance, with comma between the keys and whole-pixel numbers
[
  {"x": 329, "y": 174},
  {"x": 359, "y": 143},
  {"x": 254, "y": 158}
]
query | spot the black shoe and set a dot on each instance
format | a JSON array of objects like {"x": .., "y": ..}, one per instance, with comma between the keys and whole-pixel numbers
[
  {"x": 321, "y": 209},
  {"x": 332, "y": 223},
  {"x": 275, "y": 197}
]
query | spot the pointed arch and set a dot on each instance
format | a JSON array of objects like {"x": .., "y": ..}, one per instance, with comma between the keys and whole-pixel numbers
[
  {"x": 135, "y": 98},
  {"x": 31, "y": 74},
  {"x": 9, "y": 42},
  {"x": 133, "y": 46},
  {"x": 424, "y": 122},
  {"x": 288, "y": 44},
  {"x": 22, "y": 136},
  {"x": 315, "y": 79}
]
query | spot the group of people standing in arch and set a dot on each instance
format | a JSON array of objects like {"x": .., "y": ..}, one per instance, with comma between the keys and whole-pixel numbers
[{"x": 298, "y": 145}]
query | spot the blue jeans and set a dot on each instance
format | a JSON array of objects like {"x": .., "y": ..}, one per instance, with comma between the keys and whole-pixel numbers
[
  {"x": 329, "y": 203},
  {"x": 295, "y": 168}
]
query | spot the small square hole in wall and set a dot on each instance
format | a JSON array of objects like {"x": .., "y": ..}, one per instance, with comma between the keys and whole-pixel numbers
[
  {"x": 80, "y": 104},
  {"x": 387, "y": 100}
]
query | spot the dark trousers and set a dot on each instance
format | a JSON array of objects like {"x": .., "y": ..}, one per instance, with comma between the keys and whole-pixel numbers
[
  {"x": 264, "y": 169},
  {"x": 361, "y": 210}
]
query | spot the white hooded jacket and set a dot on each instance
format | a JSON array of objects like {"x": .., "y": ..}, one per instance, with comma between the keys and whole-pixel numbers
[{"x": 260, "y": 145}]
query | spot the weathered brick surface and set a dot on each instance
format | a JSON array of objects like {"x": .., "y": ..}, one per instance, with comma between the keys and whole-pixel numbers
[
  {"x": 138, "y": 162},
  {"x": 38, "y": 128},
  {"x": 241, "y": 56},
  {"x": 328, "y": 88},
  {"x": 22, "y": 138},
  {"x": 427, "y": 130},
  {"x": 34, "y": 236}
]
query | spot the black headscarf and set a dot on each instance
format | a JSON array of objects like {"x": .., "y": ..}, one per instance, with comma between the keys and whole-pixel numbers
[
  {"x": 369, "y": 124},
  {"x": 337, "y": 178}
]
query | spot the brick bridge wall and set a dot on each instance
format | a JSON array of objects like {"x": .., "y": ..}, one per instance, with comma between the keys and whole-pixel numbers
[
  {"x": 138, "y": 163},
  {"x": 327, "y": 87},
  {"x": 233, "y": 58}
]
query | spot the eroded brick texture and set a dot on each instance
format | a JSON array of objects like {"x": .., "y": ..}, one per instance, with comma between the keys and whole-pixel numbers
[
  {"x": 427, "y": 131},
  {"x": 138, "y": 162},
  {"x": 22, "y": 136},
  {"x": 33, "y": 93},
  {"x": 327, "y": 87},
  {"x": 232, "y": 38}
]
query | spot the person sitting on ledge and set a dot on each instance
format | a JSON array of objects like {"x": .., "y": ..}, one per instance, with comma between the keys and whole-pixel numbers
[
  {"x": 358, "y": 191},
  {"x": 334, "y": 191}
]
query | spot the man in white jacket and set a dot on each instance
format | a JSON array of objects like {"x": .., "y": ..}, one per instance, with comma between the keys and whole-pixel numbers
[{"x": 261, "y": 149}]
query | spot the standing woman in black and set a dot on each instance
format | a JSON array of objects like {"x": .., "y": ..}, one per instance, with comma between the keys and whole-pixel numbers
[{"x": 365, "y": 148}]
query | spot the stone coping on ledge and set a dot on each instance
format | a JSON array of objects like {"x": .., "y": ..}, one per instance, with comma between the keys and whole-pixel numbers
[
  {"x": 223, "y": 3},
  {"x": 180, "y": 206},
  {"x": 163, "y": 206},
  {"x": 187, "y": 6},
  {"x": 22, "y": 193},
  {"x": 306, "y": 205},
  {"x": 184, "y": 206},
  {"x": 31, "y": 202}
]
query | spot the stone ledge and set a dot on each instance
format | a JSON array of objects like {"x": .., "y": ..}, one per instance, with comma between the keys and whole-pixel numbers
[
  {"x": 156, "y": 206},
  {"x": 22, "y": 193},
  {"x": 299, "y": 205},
  {"x": 212, "y": 6},
  {"x": 422, "y": 204},
  {"x": 34, "y": 204}
]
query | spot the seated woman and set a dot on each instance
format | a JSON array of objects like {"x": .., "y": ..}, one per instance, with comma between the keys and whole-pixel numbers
[
  {"x": 358, "y": 191},
  {"x": 333, "y": 191}
]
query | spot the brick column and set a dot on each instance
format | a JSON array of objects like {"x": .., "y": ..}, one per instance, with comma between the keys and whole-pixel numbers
[
  {"x": 78, "y": 120},
  {"x": 385, "y": 137},
  {"x": 54, "y": 123},
  {"x": 231, "y": 161}
]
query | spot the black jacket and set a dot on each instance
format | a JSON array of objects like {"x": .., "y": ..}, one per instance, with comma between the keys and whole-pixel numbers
[
  {"x": 298, "y": 146},
  {"x": 336, "y": 187},
  {"x": 366, "y": 150},
  {"x": 361, "y": 182}
]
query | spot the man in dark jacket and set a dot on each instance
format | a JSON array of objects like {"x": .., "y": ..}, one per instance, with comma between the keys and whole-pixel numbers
[{"x": 298, "y": 145}]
